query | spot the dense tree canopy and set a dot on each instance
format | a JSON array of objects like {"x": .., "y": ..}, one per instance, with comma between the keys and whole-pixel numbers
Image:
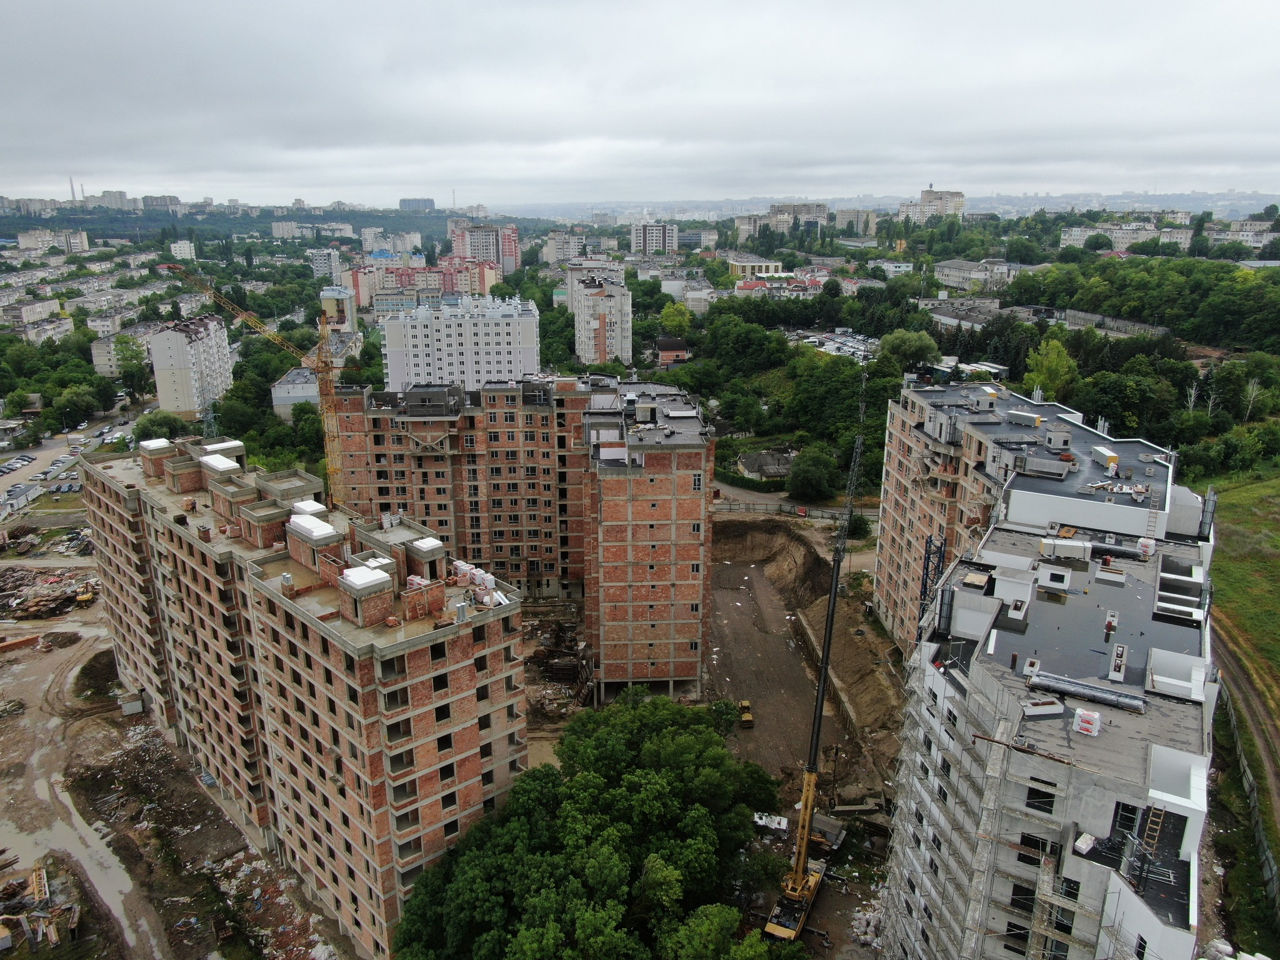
[{"x": 632, "y": 849}]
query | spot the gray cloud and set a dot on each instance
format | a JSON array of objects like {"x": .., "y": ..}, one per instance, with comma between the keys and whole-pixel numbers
[{"x": 562, "y": 100}]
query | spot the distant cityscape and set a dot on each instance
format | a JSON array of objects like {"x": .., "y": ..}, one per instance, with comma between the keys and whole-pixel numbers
[{"x": 1229, "y": 204}]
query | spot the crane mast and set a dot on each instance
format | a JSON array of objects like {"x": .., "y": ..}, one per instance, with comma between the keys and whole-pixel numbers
[
  {"x": 321, "y": 363},
  {"x": 800, "y": 886}
]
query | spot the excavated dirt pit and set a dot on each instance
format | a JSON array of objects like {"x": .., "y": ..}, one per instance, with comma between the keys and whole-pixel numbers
[{"x": 770, "y": 589}]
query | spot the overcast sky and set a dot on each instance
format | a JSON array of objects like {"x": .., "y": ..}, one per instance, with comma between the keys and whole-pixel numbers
[{"x": 510, "y": 102}]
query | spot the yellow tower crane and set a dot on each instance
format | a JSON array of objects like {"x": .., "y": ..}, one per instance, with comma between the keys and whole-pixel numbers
[{"x": 321, "y": 362}]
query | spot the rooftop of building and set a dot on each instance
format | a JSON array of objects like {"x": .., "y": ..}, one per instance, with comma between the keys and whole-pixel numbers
[
  {"x": 734, "y": 256},
  {"x": 1046, "y": 448},
  {"x": 1096, "y": 647},
  {"x": 1079, "y": 622},
  {"x": 292, "y": 497},
  {"x": 636, "y": 416}
]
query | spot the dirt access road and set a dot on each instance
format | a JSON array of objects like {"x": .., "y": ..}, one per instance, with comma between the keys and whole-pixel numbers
[
  {"x": 776, "y": 572},
  {"x": 38, "y": 816}
]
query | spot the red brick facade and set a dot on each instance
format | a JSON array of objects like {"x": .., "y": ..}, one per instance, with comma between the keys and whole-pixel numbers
[{"x": 360, "y": 718}]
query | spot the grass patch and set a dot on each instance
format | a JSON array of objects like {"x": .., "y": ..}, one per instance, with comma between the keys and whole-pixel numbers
[
  {"x": 1248, "y": 549},
  {"x": 1249, "y": 918}
]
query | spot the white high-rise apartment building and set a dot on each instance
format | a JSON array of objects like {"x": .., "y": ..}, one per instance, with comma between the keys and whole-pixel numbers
[
  {"x": 192, "y": 364},
  {"x": 326, "y": 263},
  {"x": 1051, "y": 790},
  {"x": 466, "y": 340},
  {"x": 601, "y": 308},
  {"x": 652, "y": 237},
  {"x": 182, "y": 250}
]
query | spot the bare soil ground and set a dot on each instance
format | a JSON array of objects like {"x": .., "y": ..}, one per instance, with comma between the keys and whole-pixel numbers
[
  {"x": 158, "y": 868},
  {"x": 771, "y": 578}
]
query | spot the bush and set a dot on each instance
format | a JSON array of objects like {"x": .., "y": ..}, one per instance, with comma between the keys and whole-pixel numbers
[{"x": 735, "y": 479}]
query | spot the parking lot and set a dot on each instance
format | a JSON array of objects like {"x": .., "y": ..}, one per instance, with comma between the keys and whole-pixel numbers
[{"x": 50, "y": 470}]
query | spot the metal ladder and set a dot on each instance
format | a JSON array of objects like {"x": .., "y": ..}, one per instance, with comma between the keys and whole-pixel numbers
[
  {"x": 1153, "y": 511},
  {"x": 1151, "y": 833}
]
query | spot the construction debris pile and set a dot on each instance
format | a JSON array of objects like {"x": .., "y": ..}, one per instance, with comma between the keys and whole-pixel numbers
[
  {"x": 558, "y": 668},
  {"x": 28, "y": 593},
  {"x": 217, "y": 895},
  {"x": 77, "y": 543},
  {"x": 864, "y": 926},
  {"x": 276, "y": 921},
  {"x": 33, "y": 910}
]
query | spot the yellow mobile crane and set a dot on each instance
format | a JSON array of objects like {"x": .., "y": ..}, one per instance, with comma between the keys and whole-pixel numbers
[
  {"x": 800, "y": 886},
  {"x": 321, "y": 363}
]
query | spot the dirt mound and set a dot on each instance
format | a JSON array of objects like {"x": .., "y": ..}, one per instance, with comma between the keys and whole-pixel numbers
[{"x": 790, "y": 560}]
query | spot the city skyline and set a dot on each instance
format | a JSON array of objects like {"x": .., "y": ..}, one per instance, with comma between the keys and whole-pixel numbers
[{"x": 260, "y": 102}]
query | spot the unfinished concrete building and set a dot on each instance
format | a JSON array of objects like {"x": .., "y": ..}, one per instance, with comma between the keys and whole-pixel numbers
[
  {"x": 352, "y": 690},
  {"x": 583, "y": 489},
  {"x": 1052, "y": 783}
]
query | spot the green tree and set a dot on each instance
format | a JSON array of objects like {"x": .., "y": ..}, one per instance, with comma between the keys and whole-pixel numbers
[
  {"x": 625, "y": 851},
  {"x": 676, "y": 320},
  {"x": 909, "y": 348},
  {"x": 14, "y": 403},
  {"x": 160, "y": 423},
  {"x": 135, "y": 372},
  {"x": 75, "y": 404},
  {"x": 1097, "y": 241},
  {"x": 814, "y": 475},
  {"x": 1050, "y": 368}
]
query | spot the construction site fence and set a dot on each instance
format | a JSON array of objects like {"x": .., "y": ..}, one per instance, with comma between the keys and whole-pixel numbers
[
  {"x": 789, "y": 509},
  {"x": 1267, "y": 857}
]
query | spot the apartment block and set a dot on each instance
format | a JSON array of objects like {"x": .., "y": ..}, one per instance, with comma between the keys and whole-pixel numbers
[
  {"x": 467, "y": 340},
  {"x": 103, "y": 350},
  {"x": 951, "y": 451},
  {"x": 353, "y": 692},
  {"x": 932, "y": 203},
  {"x": 191, "y": 360},
  {"x": 417, "y": 204},
  {"x": 583, "y": 489},
  {"x": 500, "y": 245},
  {"x": 809, "y": 214},
  {"x": 326, "y": 263},
  {"x": 561, "y": 245},
  {"x": 652, "y": 237},
  {"x": 863, "y": 221},
  {"x": 1123, "y": 236},
  {"x": 601, "y": 308},
  {"x": 1051, "y": 790},
  {"x": 182, "y": 250},
  {"x": 698, "y": 239},
  {"x": 338, "y": 306}
]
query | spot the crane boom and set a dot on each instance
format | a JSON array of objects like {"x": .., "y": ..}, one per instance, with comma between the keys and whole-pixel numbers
[{"x": 321, "y": 362}]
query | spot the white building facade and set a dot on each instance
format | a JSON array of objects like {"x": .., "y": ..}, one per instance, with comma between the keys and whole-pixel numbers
[
  {"x": 326, "y": 263},
  {"x": 192, "y": 365},
  {"x": 466, "y": 340},
  {"x": 1052, "y": 786},
  {"x": 601, "y": 308}
]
